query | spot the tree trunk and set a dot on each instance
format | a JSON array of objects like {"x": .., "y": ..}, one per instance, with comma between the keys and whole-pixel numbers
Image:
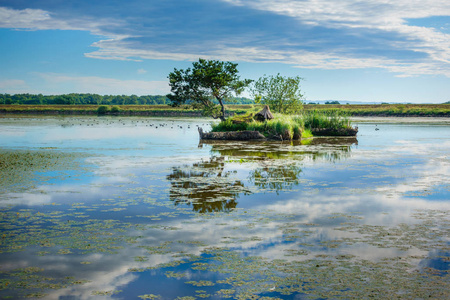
[{"x": 222, "y": 116}]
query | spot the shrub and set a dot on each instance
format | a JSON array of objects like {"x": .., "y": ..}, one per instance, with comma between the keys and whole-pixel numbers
[
  {"x": 102, "y": 109},
  {"x": 115, "y": 109}
]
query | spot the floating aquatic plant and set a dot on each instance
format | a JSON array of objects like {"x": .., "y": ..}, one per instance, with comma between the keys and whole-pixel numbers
[{"x": 23, "y": 169}]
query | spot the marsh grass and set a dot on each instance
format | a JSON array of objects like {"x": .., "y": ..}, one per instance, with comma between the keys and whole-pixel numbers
[
  {"x": 281, "y": 127},
  {"x": 284, "y": 126},
  {"x": 287, "y": 127},
  {"x": 331, "y": 119},
  {"x": 426, "y": 110},
  {"x": 307, "y": 134},
  {"x": 417, "y": 110},
  {"x": 228, "y": 125}
]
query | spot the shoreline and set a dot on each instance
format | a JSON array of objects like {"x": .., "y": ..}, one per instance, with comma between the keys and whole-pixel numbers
[{"x": 394, "y": 110}]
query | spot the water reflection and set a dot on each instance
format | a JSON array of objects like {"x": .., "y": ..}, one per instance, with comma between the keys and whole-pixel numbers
[
  {"x": 214, "y": 185},
  {"x": 309, "y": 220},
  {"x": 328, "y": 148},
  {"x": 206, "y": 185},
  {"x": 276, "y": 178}
]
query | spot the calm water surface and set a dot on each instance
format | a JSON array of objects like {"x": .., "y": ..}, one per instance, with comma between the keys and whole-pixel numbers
[{"x": 137, "y": 208}]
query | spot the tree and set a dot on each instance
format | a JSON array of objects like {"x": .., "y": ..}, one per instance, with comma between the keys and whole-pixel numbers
[
  {"x": 332, "y": 102},
  {"x": 209, "y": 82},
  {"x": 281, "y": 93}
]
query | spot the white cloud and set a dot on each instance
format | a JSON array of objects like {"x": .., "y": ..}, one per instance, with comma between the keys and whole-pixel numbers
[
  {"x": 106, "y": 86},
  {"x": 141, "y": 71},
  {"x": 27, "y": 18},
  {"x": 118, "y": 49},
  {"x": 34, "y": 19},
  {"x": 38, "y": 19},
  {"x": 355, "y": 19},
  {"x": 16, "y": 86},
  {"x": 12, "y": 83},
  {"x": 386, "y": 16}
]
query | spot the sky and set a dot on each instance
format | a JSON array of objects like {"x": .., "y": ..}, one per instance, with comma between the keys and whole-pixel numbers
[{"x": 367, "y": 51}]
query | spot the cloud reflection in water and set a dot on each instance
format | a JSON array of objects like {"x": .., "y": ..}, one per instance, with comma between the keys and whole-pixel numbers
[{"x": 277, "y": 206}]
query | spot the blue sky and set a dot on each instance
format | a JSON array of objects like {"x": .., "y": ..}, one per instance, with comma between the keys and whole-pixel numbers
[{"x": 369, "y": 51}]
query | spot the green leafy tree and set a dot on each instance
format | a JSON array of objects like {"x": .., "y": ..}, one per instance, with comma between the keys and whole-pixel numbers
[
  {"x": 282, "y": 94},
  {"x": 207, "y": 86},
  {"x": 332, "y": 102}
]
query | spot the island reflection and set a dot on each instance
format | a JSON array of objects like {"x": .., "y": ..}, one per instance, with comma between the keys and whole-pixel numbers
[
  {"x": 214, "y": 185},
  {"x": 206, "y": 186}
]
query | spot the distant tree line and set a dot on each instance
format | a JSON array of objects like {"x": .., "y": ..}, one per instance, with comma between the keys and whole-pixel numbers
[
  {"x": 91, "y": 99},
  {"x": 80, "y": 99},
  {"x": 332, "y": 102},
  {"x": 326, "y": 102}
]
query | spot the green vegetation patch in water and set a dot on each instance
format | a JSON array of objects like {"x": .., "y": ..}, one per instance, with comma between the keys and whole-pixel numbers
[
  {"x": 30, "y": 282},
  {"x": 334, "y": 273},
  {"x": 18, "y": 168}
]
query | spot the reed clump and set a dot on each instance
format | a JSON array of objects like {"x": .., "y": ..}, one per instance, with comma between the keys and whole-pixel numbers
[{"x": 330, "y": 119}]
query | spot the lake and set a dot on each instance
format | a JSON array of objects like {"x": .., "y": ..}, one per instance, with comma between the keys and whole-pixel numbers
[{"x": 139, "y": 208}]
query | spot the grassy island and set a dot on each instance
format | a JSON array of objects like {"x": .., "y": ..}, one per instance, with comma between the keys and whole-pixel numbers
[{"x": 291, "y": 127}]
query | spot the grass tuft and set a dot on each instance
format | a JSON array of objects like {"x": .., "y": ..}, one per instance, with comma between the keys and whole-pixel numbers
[
  {"x": 307, "y": 134},
  {"x": 331, "y": 119}
]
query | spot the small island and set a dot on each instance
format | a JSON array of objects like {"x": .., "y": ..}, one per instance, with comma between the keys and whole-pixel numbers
[
  {"x": 267, "y": 126},
  {"x": 210, "y": 84}
]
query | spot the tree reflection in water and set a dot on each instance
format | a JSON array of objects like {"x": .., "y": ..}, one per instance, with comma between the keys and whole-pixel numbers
[
  {"x": 272, "y": 167},
  {"x": 327, "y": 148},
  {"x": 276, "y": 177},
  {"x": 206, "y": 186}
]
